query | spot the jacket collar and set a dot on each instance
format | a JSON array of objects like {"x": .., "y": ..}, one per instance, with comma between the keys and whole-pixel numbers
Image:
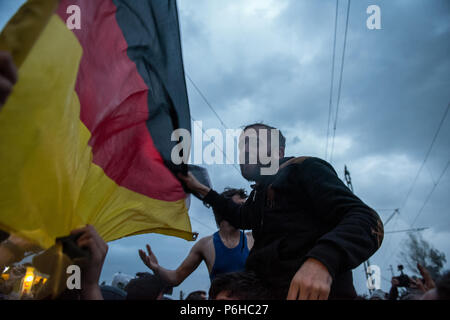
[{"x": 267, "y": 180}]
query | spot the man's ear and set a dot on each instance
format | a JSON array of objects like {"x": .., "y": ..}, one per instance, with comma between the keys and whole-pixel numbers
[{"x": 281, "y": 152}]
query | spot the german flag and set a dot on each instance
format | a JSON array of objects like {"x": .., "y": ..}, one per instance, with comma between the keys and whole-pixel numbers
[{"x": 85, "y": 137}]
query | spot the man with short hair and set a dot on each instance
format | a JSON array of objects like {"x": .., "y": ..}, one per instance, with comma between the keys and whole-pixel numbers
[
  {"x": 238, "y": 286},
  {"x": 196, "y": 296},
  {"x": 310, "y": 230},
  {"x": 224, "y": 251},
  {"x": 147, "y": 286}
]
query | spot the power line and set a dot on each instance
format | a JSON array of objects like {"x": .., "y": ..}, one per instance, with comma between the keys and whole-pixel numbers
[
  {"x": 431, "y": 175},
  {"x": 426, "y": 156},
  {"x": 388, "y": 242},
  {"x": 398, "y": 247},
  {"x": 340, "y": 80},
  {"x": 214, "y": 142},
  {"x": 407, "y": 230},
  {"x": 418, "y": 174},
  {"x": 431, "y": 193},
  {"x": 206, "y": 226},
  {"x": 391, "y": 216},
  {"x": 206, "y": 101},
  {"x": 193, "y": 218},
  {"x": 387, "y": 280},
  {"x": 421, "y": 209},
  {"x": 332, "y": 78},
  {"x": 217, "y": 115}
]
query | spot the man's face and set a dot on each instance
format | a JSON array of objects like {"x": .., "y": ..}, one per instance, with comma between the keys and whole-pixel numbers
[
  {"x": 248, "y": 149},
  {"x": 254, "y": 145}
]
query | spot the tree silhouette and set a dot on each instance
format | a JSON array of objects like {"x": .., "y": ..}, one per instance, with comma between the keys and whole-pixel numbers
[{"x": 417, "y": 250}]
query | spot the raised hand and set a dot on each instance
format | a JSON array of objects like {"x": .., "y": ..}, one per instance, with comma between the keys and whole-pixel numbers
[
  {"x": 92, "y": 266},
  {"x": 194, "y": 185},
  {"x": 427, "y": 283},
  {"x": 149, "y": 259}
]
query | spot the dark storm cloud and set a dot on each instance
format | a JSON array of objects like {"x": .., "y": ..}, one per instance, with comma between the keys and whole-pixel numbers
[
  {"x": 270, "y": 60},
  {"x": 394, "y": 93}
]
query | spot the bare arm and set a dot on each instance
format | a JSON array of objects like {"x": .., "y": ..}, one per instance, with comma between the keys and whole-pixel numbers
[
  {"x": 14, "y": 249},
  {"x": 175, "y": 277},
  {"x": 250, "y": 240},
  {"x": 239, "y": 215},
  {"x": 91, "y": 267}
]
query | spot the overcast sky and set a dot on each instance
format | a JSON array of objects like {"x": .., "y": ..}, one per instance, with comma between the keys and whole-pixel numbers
[{"x": 270, "y": 60}]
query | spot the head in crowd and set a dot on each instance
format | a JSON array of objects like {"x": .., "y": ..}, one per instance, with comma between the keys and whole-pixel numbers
[
  {"x": 3, "y": 235},
  {"x": 197, "y": 295},
  {"x": 239, "y": 196},
  {"x": 378, "y": 295},
  {"x": 112, "y": 293},
  {"x": 238, "y": 286},
  {"x": 254, "y": 141},
  {"x": 442, "y": 290},
  {"x": 146, "y": 286}
]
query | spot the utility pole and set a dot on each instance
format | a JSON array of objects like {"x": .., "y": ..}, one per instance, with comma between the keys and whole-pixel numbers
[
  {"x": 181, "y": 295},
  {"x": 408, "y": 230},
  {"x": 366, "y": 264},
  {"x": 392, "y": 270},
  {"x": 392, "y": 215}
]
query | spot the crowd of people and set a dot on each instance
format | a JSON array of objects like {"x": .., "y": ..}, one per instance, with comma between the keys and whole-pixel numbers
[{"x": 308, "y": 231}]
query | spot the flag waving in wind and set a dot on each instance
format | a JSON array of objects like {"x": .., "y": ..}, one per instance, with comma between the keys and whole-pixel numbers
[{"x": 85, "y": 137}]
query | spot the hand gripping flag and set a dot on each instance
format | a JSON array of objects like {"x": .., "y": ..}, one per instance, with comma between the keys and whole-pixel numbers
[{"x": 85, "y": 137}]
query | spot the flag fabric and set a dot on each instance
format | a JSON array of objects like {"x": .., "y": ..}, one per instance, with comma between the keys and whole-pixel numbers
[{"x": 85, "y": 137}]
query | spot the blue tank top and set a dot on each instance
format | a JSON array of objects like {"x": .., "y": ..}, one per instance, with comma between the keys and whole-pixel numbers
[{"x": 229, "y": 260}]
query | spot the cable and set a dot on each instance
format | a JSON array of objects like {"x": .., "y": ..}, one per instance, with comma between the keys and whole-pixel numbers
[
  {"x": 222, "y": 123},
  {"x": 217, "y": 115},
  {"x": 206, "y": 226},
  {"x": 340, "y": 80},
  {"x": 332, "y": 78},
  {"x": 431, "y": 175},
  {"x": 426, "y": 156},
  {"x": 424, "y": 204},
  {"x": 220, "y": 149},
  {"x": 388, "y": 242},
  {"x": 431, "y": 193},
  {"x": 206, "y": 101},
  {"x": 407, "y": 230},
  {"x": 420, "y": 170}
]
